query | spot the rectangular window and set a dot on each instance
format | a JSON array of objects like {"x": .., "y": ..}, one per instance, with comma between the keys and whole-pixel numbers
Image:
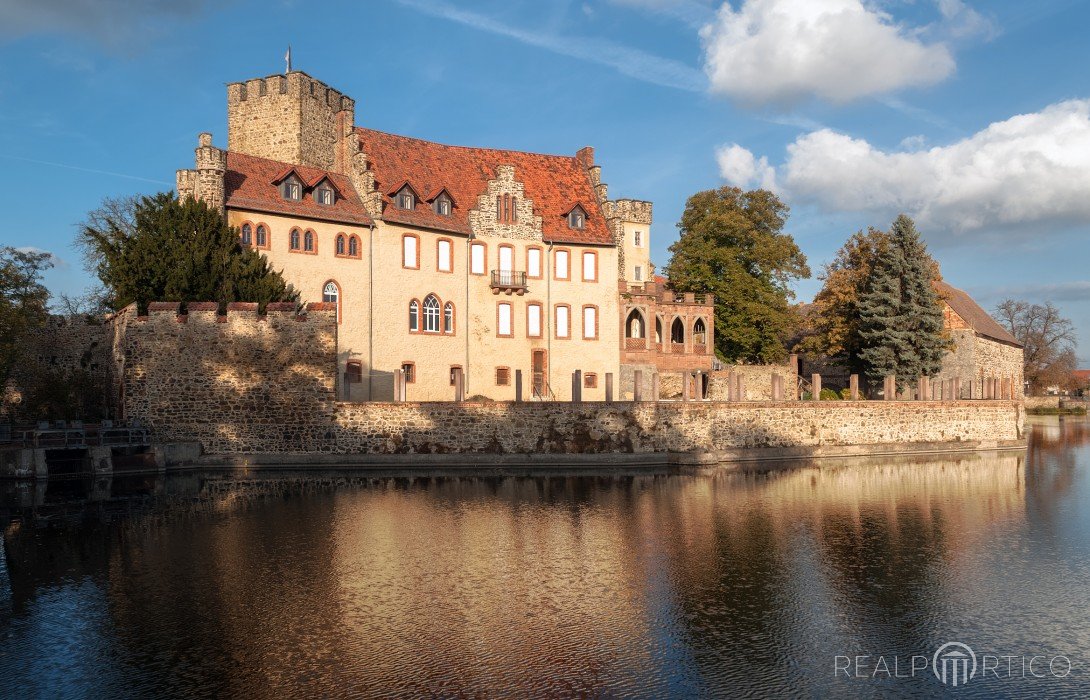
[
  {"x": 563, "y": 322},
  {"x": 507, "y": 258},
  {"x": 503, "y": 320},
  {"x": 590, "y": 380},
  {"x": 562, "y": 258},
  {"x": 353, "y": 372},
  {"x": 503, "y": 376},
  {"x": 445, "y": 256},
  {"x": 533, "y": 263},
  {"x": 533, "y": 320},
  {"x": 409, "y": 256},
  {"x": 638, "y": 239},
  {"x": 476, "y": 258},
  {"x": 410, "y": 372},
  {"x": 639, "y": 273},
  {"x": 590, "y": 266},
  {"x": 590, "y": 322},
  {"x": 454, "y": 370}
]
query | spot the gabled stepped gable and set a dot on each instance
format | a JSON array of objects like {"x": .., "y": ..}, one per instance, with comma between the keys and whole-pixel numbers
[
  {"x": 555, "y": 184},
  {"x": 251, "y": 183}
]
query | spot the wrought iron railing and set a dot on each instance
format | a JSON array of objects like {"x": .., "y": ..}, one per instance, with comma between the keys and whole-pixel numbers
[{"x": 508, "y": 279}]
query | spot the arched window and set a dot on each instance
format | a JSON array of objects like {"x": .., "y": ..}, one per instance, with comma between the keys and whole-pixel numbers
[
  {"x": 262, "y": 236},
  {"x": 448, "y": 318},
  {"x": 699, "y": 332},
  {"x": 658, "y": 331},
  {"x": 354, "y": 247},
  {"x": 414, "y": 316},
  {"x": 294, "y": 239},
  {"x": 247, "y": 235},
  {"x": 308, "y": 241},
  {"x": 634, "y": 325},
  {"x": 431, "y": 314},
  {"x": 331, "y": 294},
  {"x": 340, "y": 244},
  {"x": 677, "y": 331}
]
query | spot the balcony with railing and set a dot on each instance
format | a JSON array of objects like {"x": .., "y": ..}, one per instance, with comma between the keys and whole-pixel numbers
[{"x": 508, "y": 282}]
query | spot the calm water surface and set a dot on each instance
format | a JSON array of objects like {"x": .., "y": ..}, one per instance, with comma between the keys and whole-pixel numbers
[{"x": 648, "y": 586}]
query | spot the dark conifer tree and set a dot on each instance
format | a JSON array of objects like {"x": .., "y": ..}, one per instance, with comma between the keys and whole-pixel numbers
[
  {"x": 901, "y": 325},
  {"x": 162, "y": 249}
]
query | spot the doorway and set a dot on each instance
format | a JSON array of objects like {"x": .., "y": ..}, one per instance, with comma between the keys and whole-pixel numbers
[{"x": 539, "y": 366}]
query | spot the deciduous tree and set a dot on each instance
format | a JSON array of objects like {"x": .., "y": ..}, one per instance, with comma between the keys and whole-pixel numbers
[
  {"x": 732, "y": 244},
  {"x": 1049, "y": 341},
  {"x": 24, "y": 301}
]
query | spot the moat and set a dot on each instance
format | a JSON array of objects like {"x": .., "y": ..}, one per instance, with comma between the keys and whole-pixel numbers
[{"x": 703, "y": 584}]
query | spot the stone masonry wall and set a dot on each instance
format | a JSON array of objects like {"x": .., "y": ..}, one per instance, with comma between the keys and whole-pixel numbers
[
  {"x": 565, "y": 428},
  {"x": 975, "y": 358},
  {"x": 235, "y": 383},
  {"x": 59, "y": 351},
  {"x": 757, "y": 380},
  {"x": 246, "y": 383}
]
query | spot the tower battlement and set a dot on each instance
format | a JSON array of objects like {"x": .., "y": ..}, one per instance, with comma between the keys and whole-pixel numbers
[{"x": 292, "y": 118}]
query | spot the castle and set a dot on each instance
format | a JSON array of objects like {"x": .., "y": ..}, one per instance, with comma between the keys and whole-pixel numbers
[{"x": 449, "y": 267}]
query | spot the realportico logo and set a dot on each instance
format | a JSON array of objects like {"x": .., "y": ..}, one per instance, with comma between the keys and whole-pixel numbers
[
  {"x": 953, "y": 658},
  {"x": 953, "y": 664}
]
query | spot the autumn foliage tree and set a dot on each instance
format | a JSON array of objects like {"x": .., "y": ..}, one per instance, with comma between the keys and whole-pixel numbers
[
  {"x": 878, "y": 312},
  {"x": 732, "y": 244}
]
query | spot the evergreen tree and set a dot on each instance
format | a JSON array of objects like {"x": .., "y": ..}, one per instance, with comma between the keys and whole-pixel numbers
[
  {"x": 900, "y": 318},
  {"x": 732, "y": 244},
  {"x": 161, "y": 249}
]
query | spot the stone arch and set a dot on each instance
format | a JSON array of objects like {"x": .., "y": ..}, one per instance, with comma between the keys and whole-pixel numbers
[
  {"x": 634, "y": 325},
  {"x": 700, "y": 332},
  {"x": 677, "y": 331}
]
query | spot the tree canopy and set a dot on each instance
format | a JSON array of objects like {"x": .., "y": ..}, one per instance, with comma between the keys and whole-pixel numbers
[
  {"x": 900, "y": 315},
  {"x": 24, "y": 301},
  {"x": 158, "y": 248},
  {"x": 1049, "y": 341},
  {"x": 732, "y": 244}
]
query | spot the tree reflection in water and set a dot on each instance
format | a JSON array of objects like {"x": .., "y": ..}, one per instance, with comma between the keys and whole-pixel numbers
[{"x": 711, "y": 584}]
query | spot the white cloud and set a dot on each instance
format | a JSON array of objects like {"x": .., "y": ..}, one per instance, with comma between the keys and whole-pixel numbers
[
  {"x": 784, "y": 51},
  {"x": 740, "y": 168},
  {"x": 1029, "y": 170},
  {"x": 959, "y": 21}
]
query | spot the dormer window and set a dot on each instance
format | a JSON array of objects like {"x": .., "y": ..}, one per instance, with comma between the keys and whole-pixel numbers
[
  {"x": 442, "y": 205},
  {"x": 324, "y": 195},
  {"x": 577, "y": 218},
  {"x": 406, "y": 199},
  {"x": 291, "y": 189}
]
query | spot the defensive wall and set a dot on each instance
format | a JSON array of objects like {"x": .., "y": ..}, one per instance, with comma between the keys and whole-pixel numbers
[{"x": 250, "y": 383}]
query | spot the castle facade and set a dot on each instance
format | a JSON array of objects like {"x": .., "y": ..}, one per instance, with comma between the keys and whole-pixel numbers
[{"x": 447, "y": 265}]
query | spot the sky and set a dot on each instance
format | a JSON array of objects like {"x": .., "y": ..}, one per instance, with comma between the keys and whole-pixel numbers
[{"x": 973, "y": 117}]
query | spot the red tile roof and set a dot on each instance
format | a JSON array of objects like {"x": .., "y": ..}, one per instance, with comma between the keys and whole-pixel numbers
[
  {"x": 555, "y": 184},
  {"x": 250, "y": 184},
  {"x": 977, "y": 318}
]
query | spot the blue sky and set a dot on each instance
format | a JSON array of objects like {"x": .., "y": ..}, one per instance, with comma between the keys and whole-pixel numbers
[{"x": 974, "y": 117}]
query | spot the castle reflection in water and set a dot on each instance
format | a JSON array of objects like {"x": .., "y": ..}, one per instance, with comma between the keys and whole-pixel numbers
[{"x": 562, "y": 585}]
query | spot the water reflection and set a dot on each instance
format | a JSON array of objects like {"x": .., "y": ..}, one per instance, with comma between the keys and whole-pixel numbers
[{"x": 711, "y": 584}]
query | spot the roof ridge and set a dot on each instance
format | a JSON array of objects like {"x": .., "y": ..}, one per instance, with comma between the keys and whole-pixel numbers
[{"x": 467, "y": 148}]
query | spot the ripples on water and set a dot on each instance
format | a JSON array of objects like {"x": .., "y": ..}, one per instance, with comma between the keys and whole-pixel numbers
[{"x": 714, "y": 584}]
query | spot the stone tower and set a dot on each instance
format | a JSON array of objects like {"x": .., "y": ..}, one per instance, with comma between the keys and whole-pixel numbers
[
  {"x": 629, "y": 221},
  {"x": 205, "y": 182},
  {"x": 291, "y": 118}
]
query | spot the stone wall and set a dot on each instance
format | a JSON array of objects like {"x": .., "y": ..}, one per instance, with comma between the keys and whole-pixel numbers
[
  {"x": 975, "y": 358},
  {"x": 757, "y": 380},
  {"x": 235, "y": 383},
  {"x": 565, "y": 428},
  {"x": 69, "y": 356}
]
